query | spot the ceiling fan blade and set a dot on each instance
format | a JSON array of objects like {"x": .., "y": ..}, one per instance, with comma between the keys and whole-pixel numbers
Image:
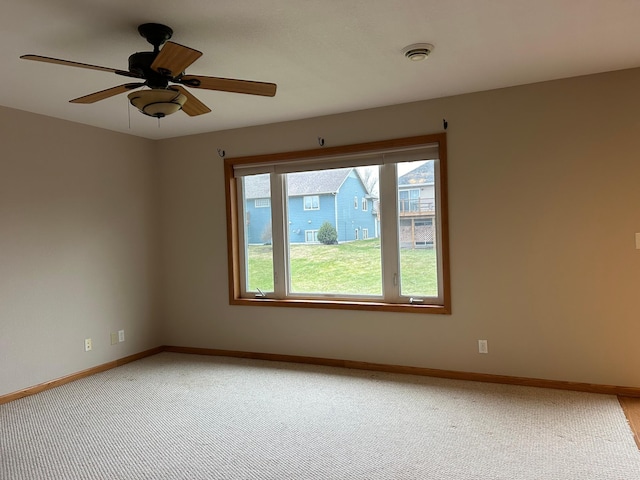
[
  {"x": 192, "y": 106},
  {"x": 68, "y": 63},
  {"x": 174, "y": 59},
  {"x": 230, "y": 85},
  {"x": 109, "y": 92}
]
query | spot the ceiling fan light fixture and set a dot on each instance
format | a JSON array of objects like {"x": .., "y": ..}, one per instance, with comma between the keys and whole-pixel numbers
[
  {"x": 157, "y": 102},
  {"x": 417, "y": 51}
]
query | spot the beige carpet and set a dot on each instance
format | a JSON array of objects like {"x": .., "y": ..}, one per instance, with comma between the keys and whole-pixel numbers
[{"x": 176, "y": 416}]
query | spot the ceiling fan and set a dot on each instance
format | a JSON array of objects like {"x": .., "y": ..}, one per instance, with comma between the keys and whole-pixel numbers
[{"x": 163, "y": 72}]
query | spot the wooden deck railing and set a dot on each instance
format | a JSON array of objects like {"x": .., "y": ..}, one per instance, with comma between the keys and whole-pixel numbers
[{"x": 417, "y": 206}]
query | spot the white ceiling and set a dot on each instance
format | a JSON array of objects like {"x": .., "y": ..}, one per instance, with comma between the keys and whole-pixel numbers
[{"x": 327, "y": 56}]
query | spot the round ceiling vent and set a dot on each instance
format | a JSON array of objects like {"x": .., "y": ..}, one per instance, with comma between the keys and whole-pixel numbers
[{"x": 417, "y": 51}]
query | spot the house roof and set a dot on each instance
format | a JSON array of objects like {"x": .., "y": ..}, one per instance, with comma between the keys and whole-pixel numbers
[
  {"x": 329, "y": 181},
  {"x": 257, "y": 186},
  {"x": 422, "y": 175},
  {"x": 317, "y": 182},
  {"x": 301, "y": 183}
]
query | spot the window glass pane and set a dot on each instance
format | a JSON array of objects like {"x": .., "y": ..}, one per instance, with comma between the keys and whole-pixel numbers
[
  {"x": 257, "y": 233},
  {"x": 326, "y": 250},
  {"x": 311, "y": 236},
  {"x": 417, "y": 229},
  {"x": 311, "y": 202}
]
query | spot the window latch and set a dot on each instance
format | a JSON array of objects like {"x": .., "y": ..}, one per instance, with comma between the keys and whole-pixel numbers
[
  {"x": 260, "y": 294},
  {"x": 415, "y": 300}
]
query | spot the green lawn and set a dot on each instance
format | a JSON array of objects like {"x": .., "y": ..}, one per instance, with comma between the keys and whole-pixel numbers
[{"x": 351, "y": 268}]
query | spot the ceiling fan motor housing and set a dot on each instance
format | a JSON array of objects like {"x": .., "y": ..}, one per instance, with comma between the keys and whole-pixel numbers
[{"x": 140, "y": 64}]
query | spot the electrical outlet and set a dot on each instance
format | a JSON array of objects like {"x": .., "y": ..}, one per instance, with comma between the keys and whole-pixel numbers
[
  {"x": 87, "y": 344},
  {"x": 483, "y": 346},
  {"x": 121, "y": 335},
  {"x": 114, "y": 338}
]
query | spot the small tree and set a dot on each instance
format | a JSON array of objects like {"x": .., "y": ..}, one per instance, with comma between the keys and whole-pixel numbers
[{"x": 327, "y": 234}]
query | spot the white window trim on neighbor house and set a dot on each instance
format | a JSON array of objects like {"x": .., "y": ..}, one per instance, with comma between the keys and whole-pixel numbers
[
  {"x": 386, "y": 154},
  {"x": 314, "y": 236},
  {"x": 314, "y": 202}
]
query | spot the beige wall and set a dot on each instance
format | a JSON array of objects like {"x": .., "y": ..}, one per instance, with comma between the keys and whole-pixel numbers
[
  {"x": 544, "y": 185},
  {"x": 78, "y": 247},
  {"x": 544, "y": 204}
]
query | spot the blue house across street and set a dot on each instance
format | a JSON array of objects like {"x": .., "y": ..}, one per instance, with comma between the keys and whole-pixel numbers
[{"x": 337, "y": 196}]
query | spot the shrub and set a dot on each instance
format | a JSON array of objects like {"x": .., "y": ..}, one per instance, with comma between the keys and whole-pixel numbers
[{"x": 327, "y": 234}]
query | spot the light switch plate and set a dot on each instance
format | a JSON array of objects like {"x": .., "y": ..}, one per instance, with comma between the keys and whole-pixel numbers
[{"x": 638, "y": 241}]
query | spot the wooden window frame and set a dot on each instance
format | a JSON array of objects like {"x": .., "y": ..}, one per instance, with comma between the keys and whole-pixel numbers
[{"x": 233, "y": 243}]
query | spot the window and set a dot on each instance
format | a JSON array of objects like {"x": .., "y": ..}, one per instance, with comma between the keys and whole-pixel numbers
[
  {"x": 311, "y": 259},
  {"x": 409, "y": 200},
  {"x": 312, "y": 202},
  {"x": 311, "y": 236},
  {"x": 262, "y": 202},
  {"x": 365, "y": 205}
]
